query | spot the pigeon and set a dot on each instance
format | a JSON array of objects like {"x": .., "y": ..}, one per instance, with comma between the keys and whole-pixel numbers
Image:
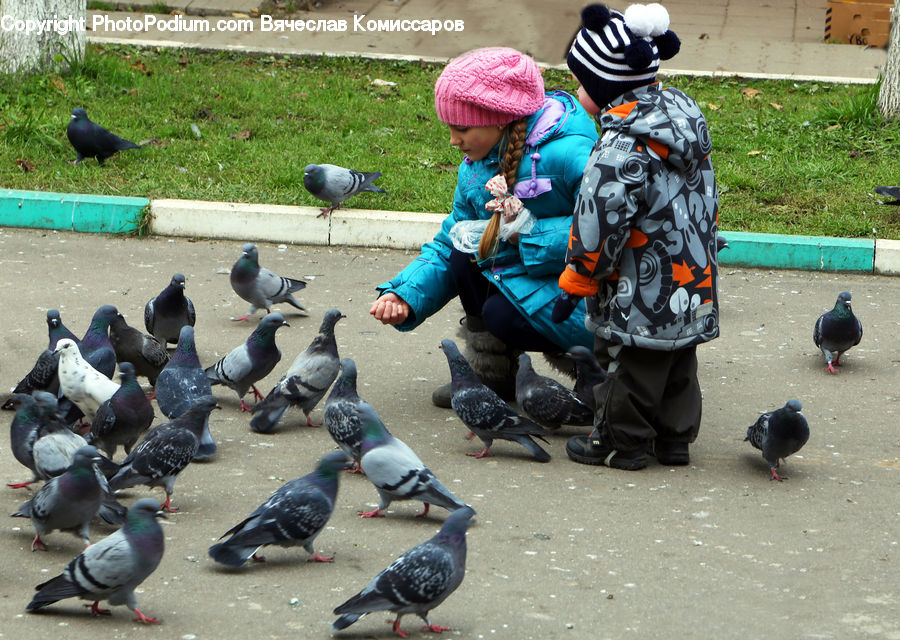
[
  {"x": 891, "y": 192},
  {"x": 546, "y": 401},
  {"x": 334, "y": 184},
  {"x": 836, "y": 331},
  {"x": 96, "y": 347},
  {"x": 305, "y": 382},
  {"x": 395, "y": 469},
  {"x": 721, "y": 242},
  {"x": 146, "y": 355},
  {"x": 43, "y": 375},
  {"x": 417, "y": 581},
  {"x": 80, "y": 382},
  {"x": 112, "y": 568},
  {"x": 292, "y": 516},
  {"x": 588, "y": 374},
  {"x": 165, "y": 314},
  {"x": 484, "y": 412},
  {"x": 250, "y": 362},
  {"x": 181, "y": 383},
  {"x": 23, "y": 432},
  {"x": 90, "y": 140},
  {"x": 779, "y": 434},
  {"x": 55, "y": 447},
  {"x": 165, "y": 451},
  {"x": 68, "y": 501},
  {"x": 123, "y": 418},
  {"x": 259, "y": 286},
  {"x": 341, "y": 417}
]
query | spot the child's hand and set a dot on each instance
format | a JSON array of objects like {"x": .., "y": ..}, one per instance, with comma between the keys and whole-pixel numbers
[
  {"x": 564, "y": 306},
  {"x": 390, "y": 309}
]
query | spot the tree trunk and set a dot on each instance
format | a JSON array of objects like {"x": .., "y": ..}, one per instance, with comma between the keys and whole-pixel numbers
[
  {"x": 62, "y": 37},
  {"x": 889, "y": 95}
]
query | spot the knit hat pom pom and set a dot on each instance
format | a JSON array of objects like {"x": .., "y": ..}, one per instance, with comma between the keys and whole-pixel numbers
[
  {"x": 595, "y": 17},
  {"x": 639, "y": 54},
  {"x": 646, "y": 20},
  {"x": 667, "y": 44}
]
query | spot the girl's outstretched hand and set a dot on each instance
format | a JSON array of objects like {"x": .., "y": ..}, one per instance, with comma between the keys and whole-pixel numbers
[{"x": 389, "y": 309}]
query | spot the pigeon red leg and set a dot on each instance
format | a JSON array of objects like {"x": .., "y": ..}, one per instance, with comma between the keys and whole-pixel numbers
[
  {"x": 145, "y": 619},
  {"x": 257, "y": 558},
  {"x": 484, "y": 453},
  {"x": 167, "y": 507},
  {"x": 97, "y": 611},
  {"x": 434, "y": 628},
  {"x": 20, "y": 485},
  {"x": 396, "y": 626},
  {"x": 425, "y": 512},
  {"x": 371, "y": 514},
  {"x": 319, "y": 558},
  {"x": 831, "y": 369},
  {"x": 256, "y": 393},
  {"x": 776, "y": 476},
  {"x": 37, "y": 543},
  {"x": 243, "y": 318},
  {"x": 245, "y": 406}
]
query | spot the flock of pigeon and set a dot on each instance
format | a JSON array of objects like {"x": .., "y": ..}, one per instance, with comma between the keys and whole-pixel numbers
[{"x": 71, "y": 418}]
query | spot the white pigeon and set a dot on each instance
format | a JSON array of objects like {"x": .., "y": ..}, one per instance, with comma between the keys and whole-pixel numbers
[{"x": 80, "y": 382}]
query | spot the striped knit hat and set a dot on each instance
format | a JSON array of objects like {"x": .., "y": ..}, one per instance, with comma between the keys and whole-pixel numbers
[{"x": 615, "y": 52}]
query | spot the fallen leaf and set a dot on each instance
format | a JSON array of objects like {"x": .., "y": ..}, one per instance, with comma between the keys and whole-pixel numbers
[
  {"x": 238, "y": 14},
  {"x": 753, "y": 153},
  {"x": 833, "y": 127},
  {"x": 24, "y": 165},
  {"x": 378, "y": 82},
  {"x": 777, "y": 106},
  {"x": 59, "y": 84},
  {"x": 750, "y": 92},
  {"x": 183, "y": 62},
  {"x": 243, "y": 134},
  {"x": 713, "y": 107}
]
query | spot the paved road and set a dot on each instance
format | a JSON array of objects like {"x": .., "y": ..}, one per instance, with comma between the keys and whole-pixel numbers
[{"x": 559, "y": 550}]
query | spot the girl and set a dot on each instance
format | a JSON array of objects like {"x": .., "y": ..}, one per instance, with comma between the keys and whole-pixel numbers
[{"x": 525, "y": 152}]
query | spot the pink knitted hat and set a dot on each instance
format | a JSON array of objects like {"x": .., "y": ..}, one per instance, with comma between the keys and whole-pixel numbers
[{"x": 490, "y": 86}]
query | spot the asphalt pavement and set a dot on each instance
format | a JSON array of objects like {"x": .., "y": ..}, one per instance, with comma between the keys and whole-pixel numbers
[{"x": 558, "y": 550}]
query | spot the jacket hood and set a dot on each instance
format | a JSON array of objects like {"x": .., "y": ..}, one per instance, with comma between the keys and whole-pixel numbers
[{"x": 667, "y": 120}]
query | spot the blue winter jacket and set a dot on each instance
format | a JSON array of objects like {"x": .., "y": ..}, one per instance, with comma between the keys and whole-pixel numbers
[{"x": 559, "y": 142}]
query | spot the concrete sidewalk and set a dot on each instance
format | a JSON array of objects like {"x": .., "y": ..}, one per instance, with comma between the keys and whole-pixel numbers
[{"x": 751, "y": 38}]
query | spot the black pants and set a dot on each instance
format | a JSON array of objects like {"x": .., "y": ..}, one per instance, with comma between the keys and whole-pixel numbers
[
  {"x": 480, "y": 298},
  {"x": 649, "y": 395}
]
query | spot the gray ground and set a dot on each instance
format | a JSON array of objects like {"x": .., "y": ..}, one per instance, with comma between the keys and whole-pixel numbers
[{"x": 558, "y": 550}]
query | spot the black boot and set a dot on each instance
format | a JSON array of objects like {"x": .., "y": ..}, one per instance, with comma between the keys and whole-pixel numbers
[{"x": 494, "y": 362}]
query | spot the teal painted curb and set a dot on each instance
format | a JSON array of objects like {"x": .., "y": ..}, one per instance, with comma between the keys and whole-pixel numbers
[
  {"x": 810, "y": 253},
  {"x": 70, "y": 211}
]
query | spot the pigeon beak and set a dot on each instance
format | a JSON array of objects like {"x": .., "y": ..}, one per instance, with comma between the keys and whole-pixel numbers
[
  {"x": 285, "y": 324},
  {"x": 161, "y": 514}
]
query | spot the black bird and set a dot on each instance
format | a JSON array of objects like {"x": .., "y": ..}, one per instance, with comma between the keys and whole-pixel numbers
[
  {"x": 891, "y": 192},
  {"x": 143, "y": 351},
  {"x": 546, "y": 401},
  {"x": 779, "y": 434},
  {"x": 165, "y": 314},
  {"x": 93, "y": 141},
  {"x": 836, "y": 331}
]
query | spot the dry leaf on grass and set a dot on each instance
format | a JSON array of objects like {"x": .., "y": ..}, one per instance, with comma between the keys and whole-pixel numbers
[
  {"x": 750, "y": 92},
  {"x": 753, "y": 153},
  {"x": 243, "y": 134},
  {"x": 712, "y": 106},
  {"x": 24, "y": 165},
  {"x": 833, "y": 127},
  {"x": 777, "y": 106}
]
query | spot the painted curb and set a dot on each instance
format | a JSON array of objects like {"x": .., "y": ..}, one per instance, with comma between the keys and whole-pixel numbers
[
  {"x": 70, "y": 211},
  {"x": 887, "y": 257},
  {"x": 808, "y": 253}
]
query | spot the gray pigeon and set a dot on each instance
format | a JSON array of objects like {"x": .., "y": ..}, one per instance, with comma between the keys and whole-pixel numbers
[
  {"x": 112, "y": 568},
  {"x": 90, "y": 140},
  {"x": 55, "y": 448},
  {"x": 144, "y": 352},
  {"x": 165, "y": 314},
  {"x": 259, "y": 286},
  {"x": 306, "y": 381},
  {"x": 484, "y": 412},
  {"x": 588, "y": 374},
  {"x": 417, "y": 581},
  {"x": 334, "y": 184},
  {"x": 250, "y": 362},
  {"x": 181, "y": 383},
  {"x": 43, "y": 375},
  {"x": 68, "y": 501},
  {"x": 891, "y": 192},
  {"x": 721, "y": 242},
  {"x": 96, "y": 347},
  {"x": 779, "y": 434},
  {"x": 292, "y": 517},
  {"x": 123, "y": 418},
  {"x": 81, "y": 383},
  {"x": 546, "y": 401},
  {"x": 165, "y": 452},
  {"x": 395, "y": 469},
  {"x": 341, "y": 416},
  {"x": 23, "y": 432},
  {"x": 836, "y": 331}
]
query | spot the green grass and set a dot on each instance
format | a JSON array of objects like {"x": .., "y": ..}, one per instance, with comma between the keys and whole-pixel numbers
[{"x": 797, "y": 158}]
